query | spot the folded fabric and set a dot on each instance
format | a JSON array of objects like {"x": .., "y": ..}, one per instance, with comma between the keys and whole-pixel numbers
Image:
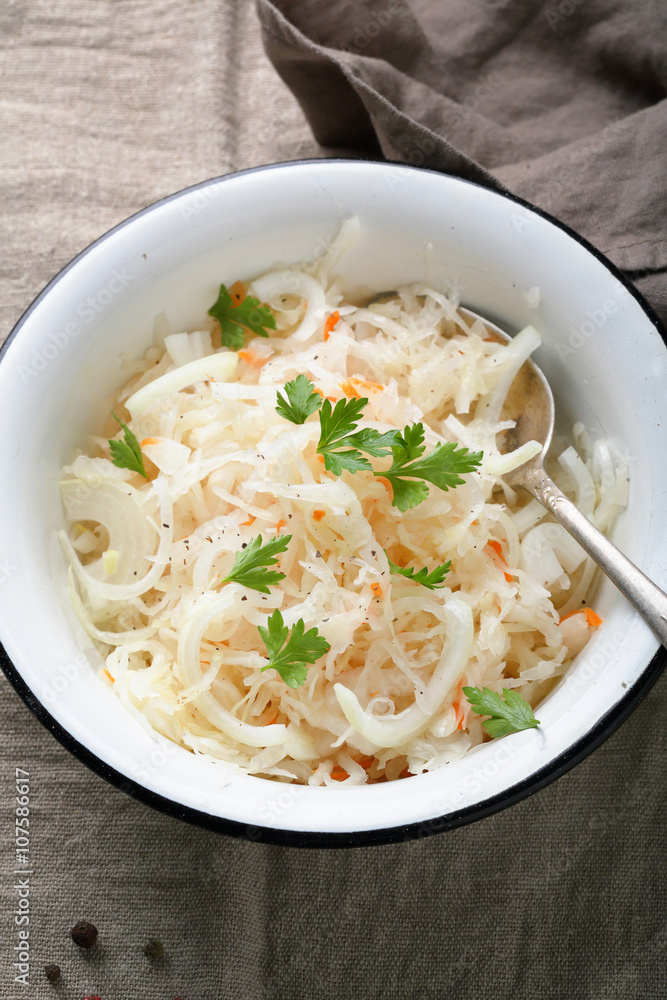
[{"x": 561, "y": 102}]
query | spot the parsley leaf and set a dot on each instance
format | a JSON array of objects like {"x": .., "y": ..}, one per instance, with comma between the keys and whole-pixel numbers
[
  {"x": 341, "y": 443},
  {"x": 126, "y": 454},
  {"x": 373, "y": 442},
  {"x": 335, "y": 426},
  {"x": 510, "y": 715},
  {"x": 431, "y": 580},
  {"x": 290, "y": 656},
  {"x": 235, "y": 320},
  {"x": 250, "y": 564},
  {"x": 302, "y": 400},
  {"x": 442, "y": 467}
]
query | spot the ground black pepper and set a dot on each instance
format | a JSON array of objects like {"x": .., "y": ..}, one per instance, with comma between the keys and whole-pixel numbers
[{"x": 84, "y": 934}]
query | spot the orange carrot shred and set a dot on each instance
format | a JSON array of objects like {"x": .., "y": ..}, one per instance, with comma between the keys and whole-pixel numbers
[
  {"x": 318, "y": 515},
  {"x": 237, "y": 292},
  {"x": 405, "y": 773},
  {"x": 251, "y": 520},
  {"x": 339, "y": 774},
  {"x": 351, "y": 387},
  {"x": 281, "y": 524},
  {"x": 497, "y": 548},
  {"x": 251, "y": 358},
  {"x": 457, "y": 705},
  {"x": 592, "y": 618},
  {"x": 349, "y": 390},
  {"x": 365, "y": 762},
  {"x": 377, "y": 589},
  {"x": 330, "y": 323},
  {"x": 148, "y": 441},
  {"x": 332, "y": 399},
  {"x": 105, "y": 671}
]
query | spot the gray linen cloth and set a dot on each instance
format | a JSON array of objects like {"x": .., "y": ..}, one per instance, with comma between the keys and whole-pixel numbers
[
  {"x": 561, "y": 102},
  {"x": 107, "y": 106}
]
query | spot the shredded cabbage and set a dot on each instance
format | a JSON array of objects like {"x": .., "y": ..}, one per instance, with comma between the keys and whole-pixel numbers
[{"x": 148, "y": 558}]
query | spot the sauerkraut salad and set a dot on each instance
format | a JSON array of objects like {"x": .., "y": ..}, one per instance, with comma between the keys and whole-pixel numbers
[{"x": 156, "y": 544}]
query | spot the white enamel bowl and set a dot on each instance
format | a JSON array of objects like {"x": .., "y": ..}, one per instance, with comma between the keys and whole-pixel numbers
[{"x": 603, "y": 352}]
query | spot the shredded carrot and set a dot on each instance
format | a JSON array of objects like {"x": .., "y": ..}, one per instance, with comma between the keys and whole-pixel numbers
[
  {"x": 365, "y": 762},
  {"x": 385, "y": 482},
  {"x": 251, "y": 520},
  {"x": 238, "y": 292},
  {"x": 349, "y": 390},
  {"x": 318, "y": 515},
  {"x": 591, "y": 618},
  {"x": 105, "y": 671},
  {"x": 457, "y": 705},
  {"x": 272, "y": 721},
  {"x": 332, "y": 399},
  {"x": 352, "y": 385},
  {"x": 377, "y": 589},
  {"x": 497, "y": 548},
  {"x": 405, "y": 773},
  {"x": 339, "y": 773},
  {"x": 251, "y": 358},
  {"x": 330, "y": 323},
  {"x": 320, "y": 458},
  {"x": 281, "y": 524},
  {"x": 148, "y": 441}
]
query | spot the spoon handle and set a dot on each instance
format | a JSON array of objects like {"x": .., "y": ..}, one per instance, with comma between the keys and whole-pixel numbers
[{"x": 643, "y": 594}]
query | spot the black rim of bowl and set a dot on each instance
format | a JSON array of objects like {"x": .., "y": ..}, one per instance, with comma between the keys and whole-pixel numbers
[{"x": 389, "y": 835}]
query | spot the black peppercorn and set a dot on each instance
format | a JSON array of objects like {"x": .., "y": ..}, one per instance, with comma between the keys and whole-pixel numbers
[
  {"x": 153, "y": 949},
  {"x": 84, "y": 934},
  {"x": 52, "y": 973}
]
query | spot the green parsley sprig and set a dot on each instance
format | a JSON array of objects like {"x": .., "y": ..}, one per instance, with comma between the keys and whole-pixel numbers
[
  {"x": 250, "y": 564},
  {"x": 341, "y": 444},
  {"x": 301, "y": 401},
  {"x": 126, "y": 454},
  {"x": 289, "y": 656},
  {"x": 344, "y": 446},
  {"x": 410, "y": 472},
  {"x": 234, "y": 320},
  {"x": 510, "y": 714},
  {"x": 432, "y": 580}
]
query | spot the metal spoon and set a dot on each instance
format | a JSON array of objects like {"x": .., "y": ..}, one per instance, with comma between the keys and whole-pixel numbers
[{"x": 531, "y": 403}]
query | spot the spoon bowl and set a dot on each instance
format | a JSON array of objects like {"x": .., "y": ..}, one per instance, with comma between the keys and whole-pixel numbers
[{"x": 530, "y": 404}]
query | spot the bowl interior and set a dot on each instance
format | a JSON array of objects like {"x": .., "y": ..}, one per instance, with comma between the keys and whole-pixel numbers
[{"x": 603, "y": 355}]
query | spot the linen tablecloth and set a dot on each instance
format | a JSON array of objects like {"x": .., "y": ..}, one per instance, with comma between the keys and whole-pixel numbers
[{"x": 105, "y": 107}]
